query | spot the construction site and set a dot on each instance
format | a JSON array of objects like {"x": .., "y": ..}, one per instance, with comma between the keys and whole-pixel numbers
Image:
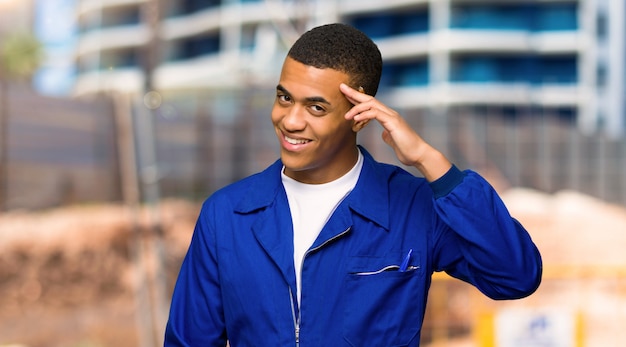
[
  {"x": 169, "y": 101},
  {"x": 81, "y": 264}
]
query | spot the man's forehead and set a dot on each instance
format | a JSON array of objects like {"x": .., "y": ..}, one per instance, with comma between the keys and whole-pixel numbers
[{"x": 297, "y": 78}]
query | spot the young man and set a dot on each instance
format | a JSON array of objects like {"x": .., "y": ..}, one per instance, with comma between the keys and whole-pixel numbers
[{"x": 328, "y": 247}]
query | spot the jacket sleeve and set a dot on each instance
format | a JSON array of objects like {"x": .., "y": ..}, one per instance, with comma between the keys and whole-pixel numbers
[
  {"x": 196, "y": 315},
  {"x": 478, "y": 241}
]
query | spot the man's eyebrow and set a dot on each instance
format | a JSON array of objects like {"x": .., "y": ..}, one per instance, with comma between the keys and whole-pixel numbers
[
  {"x": 280, "y": 88},
  {"x": 317, "y": 99}
]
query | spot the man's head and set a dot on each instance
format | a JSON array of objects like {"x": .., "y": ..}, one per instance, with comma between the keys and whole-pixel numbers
[
  {"x": 318, "y": 144},
  {"x": 343, "y": 48}
]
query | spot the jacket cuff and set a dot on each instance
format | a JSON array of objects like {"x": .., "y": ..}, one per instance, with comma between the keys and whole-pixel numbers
[{"x": 446, "y": 183}]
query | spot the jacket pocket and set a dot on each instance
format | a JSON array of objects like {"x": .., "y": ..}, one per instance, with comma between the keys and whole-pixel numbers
[{"x": 384, "y": 306}]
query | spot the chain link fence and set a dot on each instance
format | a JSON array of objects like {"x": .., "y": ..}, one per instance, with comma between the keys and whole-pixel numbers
[{"x": 64, "y": 151}]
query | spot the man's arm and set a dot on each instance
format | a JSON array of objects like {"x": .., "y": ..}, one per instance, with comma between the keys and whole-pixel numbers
[
  {"x": 477, "y": 241},
  {"x": 196, "y": 314},
  {"x": 409, "y": 147}
]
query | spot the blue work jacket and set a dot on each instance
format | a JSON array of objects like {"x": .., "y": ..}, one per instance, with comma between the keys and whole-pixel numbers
[{"x": 238, "y": 283}]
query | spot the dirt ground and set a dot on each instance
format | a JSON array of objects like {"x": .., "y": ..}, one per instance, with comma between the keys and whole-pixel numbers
[{"x": 67, "y": 276}]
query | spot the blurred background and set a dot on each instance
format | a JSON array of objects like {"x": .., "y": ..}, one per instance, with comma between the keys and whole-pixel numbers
[{"x": 118, "y": 117}]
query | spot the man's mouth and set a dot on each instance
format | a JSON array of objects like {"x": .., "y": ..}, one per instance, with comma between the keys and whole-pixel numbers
[{"x": 296, "y": 141}]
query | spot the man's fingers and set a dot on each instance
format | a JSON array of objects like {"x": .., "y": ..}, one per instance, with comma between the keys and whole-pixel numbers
[
  {"x": 353, "y": 95},
  {"x": 362, "y": 102}
]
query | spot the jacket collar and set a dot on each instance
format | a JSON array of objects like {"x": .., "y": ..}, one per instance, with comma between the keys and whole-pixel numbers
[
  {"x": 370, "y": 197},
  {"x": 263, "y": 189}
]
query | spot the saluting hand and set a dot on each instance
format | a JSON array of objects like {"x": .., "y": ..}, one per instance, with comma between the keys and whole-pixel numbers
[{"x": 409, "y": 147}]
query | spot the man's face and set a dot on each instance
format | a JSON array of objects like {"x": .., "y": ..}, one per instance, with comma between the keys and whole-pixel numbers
[{"x": 317, "y": 144}]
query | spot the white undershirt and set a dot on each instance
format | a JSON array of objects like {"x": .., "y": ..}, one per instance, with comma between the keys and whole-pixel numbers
[{"x": 311, "y": 206}]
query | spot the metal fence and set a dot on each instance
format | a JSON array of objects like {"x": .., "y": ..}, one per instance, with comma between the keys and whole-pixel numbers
[
  {"x": 65, "y": 151},
  {"x": 58, "y": 151},
  {"x": 231, "y": 136}
]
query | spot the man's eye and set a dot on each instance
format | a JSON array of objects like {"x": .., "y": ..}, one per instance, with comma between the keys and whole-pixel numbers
[
  {"x": 317, "y": 109},
  {"x": 283, "y": 98}
]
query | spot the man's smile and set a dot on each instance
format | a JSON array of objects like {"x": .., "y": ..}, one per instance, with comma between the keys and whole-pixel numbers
[{"x": 295, "y": 141}]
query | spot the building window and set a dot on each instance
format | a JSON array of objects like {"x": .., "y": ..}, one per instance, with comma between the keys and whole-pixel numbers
[
  {"x": 248, "y": 37},
  {"x": 381, "y": 25},
  {"x": 556, "y": 17},
  {"x": 121, "y": 16},
  {"x": 118, "y": 16},
  {"x": 115, "y": 59},
  {"x": 601, "y": 76},
  {"x": 494, "y": 16},
  {"x": 194, "y": 47},
  {"x": 530, "y": 69},
  {"x": 602, "y": 26},
  {"x": 184, "y": 7},
  {"x": 490, "y": 69},
  {"x": 405, "y": 74},
  {"x": 512, "y": 16},
  {"x": 558, "y": 69}
]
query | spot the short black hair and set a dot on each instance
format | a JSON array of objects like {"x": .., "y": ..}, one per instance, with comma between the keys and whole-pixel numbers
[{"x": 343, "y": 48}]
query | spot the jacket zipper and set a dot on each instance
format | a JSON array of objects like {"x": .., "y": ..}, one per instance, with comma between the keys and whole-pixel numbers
[{"x": 296, "y": 320}]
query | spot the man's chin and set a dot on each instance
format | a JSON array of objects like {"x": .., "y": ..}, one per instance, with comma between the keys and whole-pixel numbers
[{"x": 293, "y": 166}]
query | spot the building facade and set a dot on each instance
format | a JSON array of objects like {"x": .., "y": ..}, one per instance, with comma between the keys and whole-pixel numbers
[{"x": 563, "y": 57}]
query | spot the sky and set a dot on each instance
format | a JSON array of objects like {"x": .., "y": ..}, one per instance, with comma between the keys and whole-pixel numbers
[{"x": 56, "y": 28}]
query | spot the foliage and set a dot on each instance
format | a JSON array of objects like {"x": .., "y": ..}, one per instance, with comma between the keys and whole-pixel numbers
[{"x": 20, "y": 56}]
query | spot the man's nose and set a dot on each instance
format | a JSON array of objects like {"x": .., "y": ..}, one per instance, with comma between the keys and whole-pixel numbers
[{"x": 294, "y": 119}]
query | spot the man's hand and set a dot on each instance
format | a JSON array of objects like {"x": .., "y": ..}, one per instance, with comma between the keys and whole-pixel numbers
[{"x": 409, "y": 147}]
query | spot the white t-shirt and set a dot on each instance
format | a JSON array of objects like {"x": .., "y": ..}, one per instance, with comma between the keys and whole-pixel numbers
[{"x": 311, "y": 206}]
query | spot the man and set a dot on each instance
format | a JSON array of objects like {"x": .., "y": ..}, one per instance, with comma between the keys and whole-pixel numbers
[{"x": 328, "y": 247}]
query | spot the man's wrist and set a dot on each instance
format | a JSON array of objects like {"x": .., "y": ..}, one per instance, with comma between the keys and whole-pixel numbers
[
  {"x": 433, "y": 165},
  {"x": 446, "y": 183}
]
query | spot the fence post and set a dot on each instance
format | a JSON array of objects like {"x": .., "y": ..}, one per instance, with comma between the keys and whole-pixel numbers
[
  {"x": 4, "y": 143},
  {"x": 127, "y": 155}
]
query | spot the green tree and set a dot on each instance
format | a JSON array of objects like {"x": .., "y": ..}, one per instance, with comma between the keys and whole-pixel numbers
[{"x": 21, "y": 54}]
